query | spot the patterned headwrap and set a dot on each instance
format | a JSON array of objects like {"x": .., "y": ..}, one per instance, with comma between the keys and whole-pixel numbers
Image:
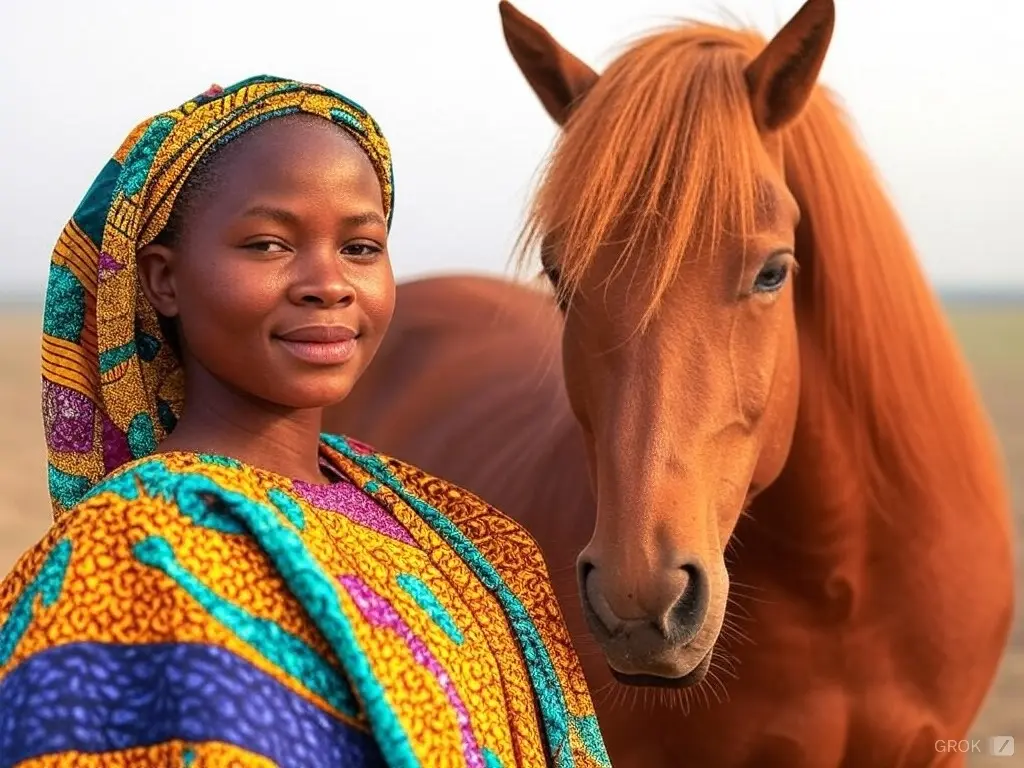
[{"x": 112, "y": 387}]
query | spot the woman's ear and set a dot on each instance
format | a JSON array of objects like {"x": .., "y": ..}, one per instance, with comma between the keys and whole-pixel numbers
[{"x": 156, "y": 276}]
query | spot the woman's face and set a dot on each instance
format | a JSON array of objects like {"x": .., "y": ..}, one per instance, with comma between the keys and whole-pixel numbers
[{"x": 280, "y": 278}]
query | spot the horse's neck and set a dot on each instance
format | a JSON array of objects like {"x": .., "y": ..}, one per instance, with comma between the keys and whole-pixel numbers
[
  {"x": 856, "y": 478},
  {"x": 820, "y": 501}
]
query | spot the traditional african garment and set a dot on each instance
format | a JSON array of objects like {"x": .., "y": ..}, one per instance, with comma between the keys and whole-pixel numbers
[{"x": 191, "y": 610}]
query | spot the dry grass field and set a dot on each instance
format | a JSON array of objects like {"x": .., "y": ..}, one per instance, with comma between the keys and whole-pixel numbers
[{"x": 993, "y": 338}]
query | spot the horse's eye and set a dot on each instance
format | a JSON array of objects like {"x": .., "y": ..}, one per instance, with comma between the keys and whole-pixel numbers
[
  {"x": 553, "y": 274},
  {"x": 773, "y": 274}
]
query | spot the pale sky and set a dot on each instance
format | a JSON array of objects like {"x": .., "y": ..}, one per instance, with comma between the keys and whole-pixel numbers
[{"x": 935, "y": 90}]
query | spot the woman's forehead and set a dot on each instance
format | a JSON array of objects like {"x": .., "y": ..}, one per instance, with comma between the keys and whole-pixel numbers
[
  {"x": 292, "y": 135},
  {"x": 289, "y": 157}
]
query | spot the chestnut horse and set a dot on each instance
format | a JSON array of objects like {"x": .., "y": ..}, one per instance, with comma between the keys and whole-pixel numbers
[{"x": 702, "y": 394}]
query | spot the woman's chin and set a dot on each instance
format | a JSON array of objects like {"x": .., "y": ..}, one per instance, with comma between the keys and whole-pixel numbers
[{"x": 316, "y": 394}]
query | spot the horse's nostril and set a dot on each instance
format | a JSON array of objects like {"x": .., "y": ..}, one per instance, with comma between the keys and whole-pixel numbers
[
  {"x": 687, "y": 615},
  {"x": 594, "y": 601},
  {"x": 584, "y": 569}
]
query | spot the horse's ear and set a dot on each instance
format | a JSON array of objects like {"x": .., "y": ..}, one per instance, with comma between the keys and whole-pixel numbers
[
  {"x": 558, "y": 78},
  {"x": 781, "y": 78}
]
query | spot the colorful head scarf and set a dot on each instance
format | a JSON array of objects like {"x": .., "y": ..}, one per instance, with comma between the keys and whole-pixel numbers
[{"x": 112, "y": 388}]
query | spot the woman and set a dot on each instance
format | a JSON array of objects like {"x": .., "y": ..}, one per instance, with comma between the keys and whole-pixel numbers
[{"x": 222, "y": 585}]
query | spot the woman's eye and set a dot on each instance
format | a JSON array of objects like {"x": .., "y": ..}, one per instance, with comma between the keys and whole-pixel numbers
[
  {"x": 771, "y": 277},
  {"x": 266, "y": 246},
  {"x": 361, "y": 250}
]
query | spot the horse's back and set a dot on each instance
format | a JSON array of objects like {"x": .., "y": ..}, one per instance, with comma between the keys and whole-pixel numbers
[{"x": 468, "y": 379}]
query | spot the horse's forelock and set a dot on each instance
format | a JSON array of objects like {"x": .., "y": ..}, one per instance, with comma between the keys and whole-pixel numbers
[{"x": 661, "y": 158}]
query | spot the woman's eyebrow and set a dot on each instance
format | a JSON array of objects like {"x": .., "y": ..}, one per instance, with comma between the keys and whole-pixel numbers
[
  {"x": 367, "y": 217},
  {"x": 286, "y": 217},
  {"x": 270, "y": 212}
]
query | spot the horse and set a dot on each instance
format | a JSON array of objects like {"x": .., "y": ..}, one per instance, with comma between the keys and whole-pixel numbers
[{"x": 734, "y": 417}]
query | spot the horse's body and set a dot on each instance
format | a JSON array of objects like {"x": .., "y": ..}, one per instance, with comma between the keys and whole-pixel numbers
[{"x": 872, "y": 581}]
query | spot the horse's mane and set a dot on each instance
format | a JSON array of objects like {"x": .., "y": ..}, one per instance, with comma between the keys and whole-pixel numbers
[
  {"x": 665, "y": 141},
  {"x": 880, "y": 329}
]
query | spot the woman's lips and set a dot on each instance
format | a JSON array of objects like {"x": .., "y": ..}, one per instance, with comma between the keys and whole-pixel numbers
[{"x": 320, "y": 344}]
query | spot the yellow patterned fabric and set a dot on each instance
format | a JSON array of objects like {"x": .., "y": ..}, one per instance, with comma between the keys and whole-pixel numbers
[
  {"x": 195, "y": 611},
  {"x": 190, "y": 610}
]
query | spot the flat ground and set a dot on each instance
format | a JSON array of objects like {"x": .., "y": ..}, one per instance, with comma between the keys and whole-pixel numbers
[{"x": 993, "y": 338}]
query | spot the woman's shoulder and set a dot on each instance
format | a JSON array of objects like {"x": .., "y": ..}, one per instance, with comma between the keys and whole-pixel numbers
[
  {"x": 199, "y": 487},
  {"x": 149, "y": 516},
  {"x": 169, "y": 548},
  {"x": 168, "y": 470},
  {"x": 128, "y": 515}
]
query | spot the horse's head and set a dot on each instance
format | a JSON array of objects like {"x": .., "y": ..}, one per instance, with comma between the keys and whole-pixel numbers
[{"x": 668, "y": 231}]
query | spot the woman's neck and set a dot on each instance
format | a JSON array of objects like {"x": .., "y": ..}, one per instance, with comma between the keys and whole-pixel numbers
[{"x": 221, "y": 421}]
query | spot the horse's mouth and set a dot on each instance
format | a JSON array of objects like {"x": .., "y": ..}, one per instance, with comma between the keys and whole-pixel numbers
[{"x": 692, "y": 677}]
